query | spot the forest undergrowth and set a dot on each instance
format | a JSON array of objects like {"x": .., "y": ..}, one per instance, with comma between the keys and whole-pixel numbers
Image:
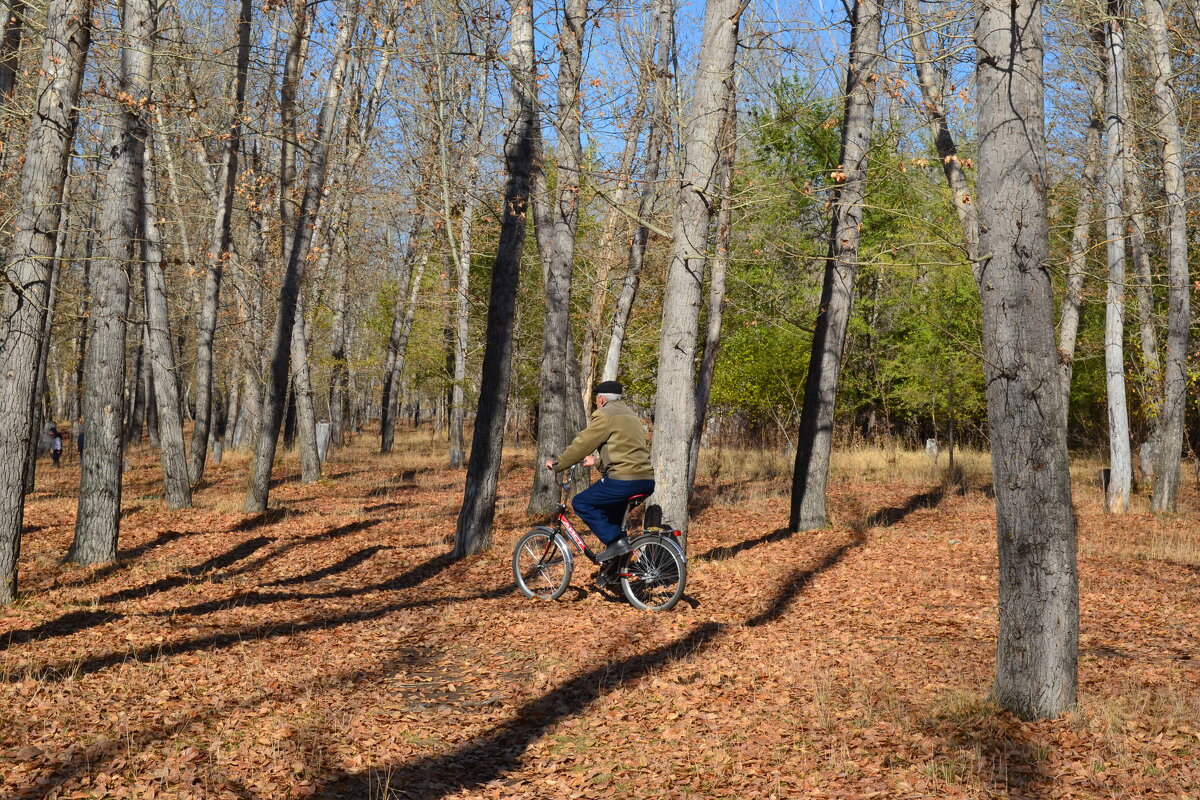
[{"x": 330, "y": 647}]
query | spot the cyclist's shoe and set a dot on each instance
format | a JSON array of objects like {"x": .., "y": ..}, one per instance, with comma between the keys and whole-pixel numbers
[{"x": 618, "y": 548}]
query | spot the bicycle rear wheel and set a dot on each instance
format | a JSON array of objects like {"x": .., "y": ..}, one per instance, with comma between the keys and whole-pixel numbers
[
  {"x": 542, "y": 564},
  {"x": 655, "y": 574}
]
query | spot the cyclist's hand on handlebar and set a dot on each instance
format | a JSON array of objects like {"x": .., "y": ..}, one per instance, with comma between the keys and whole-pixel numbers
[
  {"x": 551, "y": 464},
  {"x": 590, "y": 461}
]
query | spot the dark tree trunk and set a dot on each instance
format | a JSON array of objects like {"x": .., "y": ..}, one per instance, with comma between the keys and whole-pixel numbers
[
  {"x": 402, "y": 316},
  {"x": 815, "y": 440},
  {"x": 1036, "y": 653},
  {"x": 98, "y": 520},
  {"x": 219, "y": 249},
  {"x": 473, "y": 533},
  {"x": 10, "y": 48},
  {"x": 285, "y": 319}
]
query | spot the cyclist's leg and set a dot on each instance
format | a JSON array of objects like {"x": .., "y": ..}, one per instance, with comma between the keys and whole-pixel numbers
[{"x": 595, "y": 506}]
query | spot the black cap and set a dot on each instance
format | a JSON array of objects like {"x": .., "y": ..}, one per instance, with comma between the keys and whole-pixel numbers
[{"x": 609, "y": 387}]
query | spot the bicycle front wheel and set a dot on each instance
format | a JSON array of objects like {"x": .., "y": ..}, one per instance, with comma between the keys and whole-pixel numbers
[
  {"x": 542, "y": 564},
  {"x": 654, "y": 577}
]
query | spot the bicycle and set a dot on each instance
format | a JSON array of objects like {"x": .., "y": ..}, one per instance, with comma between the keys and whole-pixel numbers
[{"x": 652, "y": 574}]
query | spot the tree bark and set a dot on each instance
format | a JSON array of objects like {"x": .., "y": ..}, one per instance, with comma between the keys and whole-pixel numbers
[
  {"x": 98, "y": 520},
  {"x": 1120, "y": 461},
  {"x": 473, "y": 532},
  {"x": 716, "y": 282},
  {"x": 815, "y": 440},
  {"x": 555, "y": 394},
  {"x": 306, "y": 418},
  {"x": 657, "y": 151},
  {"x": 1081, "y": 234},
  {"x": 218, "y": 251},
  {"x": 1171, "y": 416},
  {"x": 1037, "y": 648},
  {"x": 398, "y": 338},
  {"x": 285, "y": 319},
  {"x": 172, "y": 452},
  {"x": 31, "y": 252}
]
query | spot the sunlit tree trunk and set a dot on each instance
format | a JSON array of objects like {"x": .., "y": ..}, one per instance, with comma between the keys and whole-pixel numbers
[
  {"x": 1120, "y": 463},
  {"x": 1037, "y": 648},
  {"x": 555, "y": 386},
  {"x": 402, "y": 318},
  {"x": 218, "y": 251},
  {"x": 306, "y": 417},
  {"x": 1081, "y": 235},
  {"x": 1171, "y": 416},
  {"x": 815, "y": 440},
  {"x": 285, "y": 319},
  {"x": 473, "y": 533},
  {"x": 98, "y": 520},
  {"x": 26, "y": 269},
  {"x": 161, "y": 353}
]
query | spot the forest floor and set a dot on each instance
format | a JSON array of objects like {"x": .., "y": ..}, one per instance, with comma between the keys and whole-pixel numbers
[{"x": 330, "y": 648}]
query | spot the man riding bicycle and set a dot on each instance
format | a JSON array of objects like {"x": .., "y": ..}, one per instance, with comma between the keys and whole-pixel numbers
[{"x": 624, "y": 456}]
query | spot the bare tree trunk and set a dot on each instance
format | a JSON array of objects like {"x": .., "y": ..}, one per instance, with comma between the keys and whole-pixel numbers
[
  {"x": 554, "y": 375},
  {"x": 1081, "y": 234},
  {"x": 716, "y": 282},
  {"x": 136, "y": 385},
  {"x": 26, "y": 270},
  {"x": 656, "y": 152},
  {"x": 394, "y": 366},
  {"x": 306, "y": 418},
  {"x": 458, "y": 457},
  {"x": 172, "y": 452},
  {"x": 44, "y": 347},
  {"x": 934, "y": 107},
  {"x": 612, "y": 247},
  {"x": 1171, "y": 416},
  {"x": 285, "y": 320},
  {"x": 1037, "y": 648},
  {"x": 473, "y": 533},
  {"x": 815, "y": 440},
  {"x": 98, "y": 520},
  {"x": 1120, "y": 463},
  {"x": 219, "y": 250}
]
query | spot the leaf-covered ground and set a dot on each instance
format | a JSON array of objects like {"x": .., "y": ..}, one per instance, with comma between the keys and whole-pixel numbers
[{"x": 330, "y": 648}]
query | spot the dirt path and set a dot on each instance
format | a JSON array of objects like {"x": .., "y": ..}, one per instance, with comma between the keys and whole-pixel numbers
[{"x": 329, "y": 648}]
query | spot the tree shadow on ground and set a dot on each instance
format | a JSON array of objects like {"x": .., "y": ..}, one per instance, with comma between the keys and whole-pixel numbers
[
  {"x": 268, "y": 517},
  {"x": 292, "y": 544},
  {"x": 270, "y": 629},
  {"x": 500, "y": 749},
  {"x": 886, "y": 517},
  {"x": 729, "y": 551},
  {"x": 348, "y": 563},
  {"x": 123, "y": 558},
  {"x": 405, "y": 480},
  {"x": 228, "y": 558},
  {"x": 984, "y": 741}
]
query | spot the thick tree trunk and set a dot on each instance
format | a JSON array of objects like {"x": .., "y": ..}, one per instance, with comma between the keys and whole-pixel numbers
[
  {"x": 473, "y": 533},
  {"x": 98, "y": 520},
  {"x": 43, "y": 363},
  {"x": 219, "y": 250},
  {"x": 1037, "y": 649},
  {"x": 31, "y": 252},
  {"x": 675, "y": 406},
  {"x": 555, "y": 383},
  {"x": 172, "y": 453},
  {"x": 1081, "y": 234},
  {"x": 716, "y": 283},
  {"x": 306, "y": 418},
  {"x": 1171, "y": 415},
  {"x": 285, "y": 319},
  {"x": 1120, "y": 461},
  {"x": 815, "y": 440},
  {"x": 657, "y": 151}
]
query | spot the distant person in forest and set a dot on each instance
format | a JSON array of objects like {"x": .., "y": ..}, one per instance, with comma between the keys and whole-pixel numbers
[
  {"x": 55, "y": 445},
  {"x": 616, "y": 432}
]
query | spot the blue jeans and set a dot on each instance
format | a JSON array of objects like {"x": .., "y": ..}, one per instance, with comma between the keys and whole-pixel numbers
[{"x": 602, "y": 505}]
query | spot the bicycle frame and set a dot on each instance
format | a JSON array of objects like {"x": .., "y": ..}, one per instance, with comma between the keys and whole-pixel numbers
[{"x": 563, "y": 523}]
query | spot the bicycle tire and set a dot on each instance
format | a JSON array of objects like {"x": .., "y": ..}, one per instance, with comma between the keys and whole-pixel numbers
[
  {"x": 654, "y": 574},
  {"x": 542, "y": 564}
]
